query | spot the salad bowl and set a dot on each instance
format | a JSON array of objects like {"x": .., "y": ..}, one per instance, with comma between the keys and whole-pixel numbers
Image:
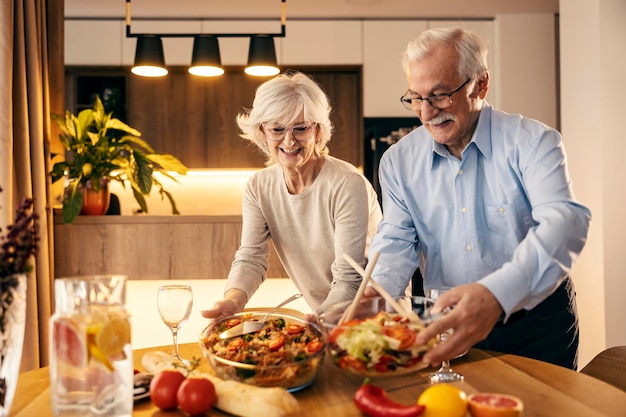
[
  {"x": 378, "y": 341},
  {"x": 287, "y": 352}
]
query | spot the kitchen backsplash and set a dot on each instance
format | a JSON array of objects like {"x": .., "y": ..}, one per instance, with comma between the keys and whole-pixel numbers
[{"x": 200, "y": 192}]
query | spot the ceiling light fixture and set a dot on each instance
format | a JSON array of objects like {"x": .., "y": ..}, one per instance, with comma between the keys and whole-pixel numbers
[
  {"x": 149, "y": 58},
  {"x": 205, "y": 59},
  {"x": 262, "y": 57}
]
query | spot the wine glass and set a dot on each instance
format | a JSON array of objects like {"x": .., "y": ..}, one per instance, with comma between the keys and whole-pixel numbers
[
  {"x": 174, "y": 303},
  {"x": 444, "y": 373}
]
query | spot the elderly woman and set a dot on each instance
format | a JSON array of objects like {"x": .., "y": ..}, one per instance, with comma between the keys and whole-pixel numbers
[{"x": 313, "y": 207}]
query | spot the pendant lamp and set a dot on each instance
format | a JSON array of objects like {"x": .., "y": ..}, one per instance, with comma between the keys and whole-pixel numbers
[
  {"x": 262, "y": 57},
  {"x": 149, "y": 57},
  {"x": 205, "y": 59}
]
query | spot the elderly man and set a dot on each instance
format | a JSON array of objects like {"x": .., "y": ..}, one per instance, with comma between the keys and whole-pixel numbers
[{"x": 482, "y": 202}]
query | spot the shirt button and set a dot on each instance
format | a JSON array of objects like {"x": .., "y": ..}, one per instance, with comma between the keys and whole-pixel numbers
[
  {"x": 500, "y": 210},
  {"x": 460, "y": 172},
  {"x": 468, "y": 248},
  {"x": 464, "y": 210}
]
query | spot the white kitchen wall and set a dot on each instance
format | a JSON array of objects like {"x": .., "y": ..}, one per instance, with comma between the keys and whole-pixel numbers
[{"x": 592, "y": 107}]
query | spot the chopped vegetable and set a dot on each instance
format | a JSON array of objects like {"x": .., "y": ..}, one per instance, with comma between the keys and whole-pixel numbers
[{"x": 374, "y": 402}]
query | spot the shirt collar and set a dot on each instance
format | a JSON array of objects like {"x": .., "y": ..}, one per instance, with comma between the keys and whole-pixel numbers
[
  {"x": 481, "y": 137},
  {"x": 482, "y": 134}
]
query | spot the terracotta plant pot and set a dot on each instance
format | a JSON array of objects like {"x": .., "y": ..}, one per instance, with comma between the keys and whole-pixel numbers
[{"x": 96, "y": 203}]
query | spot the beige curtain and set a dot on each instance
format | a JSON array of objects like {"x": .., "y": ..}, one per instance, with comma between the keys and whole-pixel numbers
[{"x": 24, "y": 142}]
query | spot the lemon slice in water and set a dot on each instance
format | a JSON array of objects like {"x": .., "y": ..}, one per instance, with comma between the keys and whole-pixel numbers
[{"x": 106, "y": 340}]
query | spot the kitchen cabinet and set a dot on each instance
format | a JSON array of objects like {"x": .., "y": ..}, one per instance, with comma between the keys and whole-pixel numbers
[
  {"x": 93, "y": 42},
  {"x": 151, "y": 247},
  {"x": 193, "y": 118},
  {"x": 325, "y": 42},
  {"x": 375, "y": 45},
  {"x": 81, "y": 90},
  {"x": 384, "y": 80}
]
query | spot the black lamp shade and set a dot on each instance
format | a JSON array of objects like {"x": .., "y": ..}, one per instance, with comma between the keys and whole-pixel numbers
[
  {"x": 262, "y": 56},
  {"x": 149, "y": 57},
  {"x": 206, "y": 60}
]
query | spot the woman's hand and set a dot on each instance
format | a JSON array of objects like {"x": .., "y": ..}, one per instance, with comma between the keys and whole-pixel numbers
[
  {"x": 221, "y": 308},
  {"x": 233, "y": 302}
]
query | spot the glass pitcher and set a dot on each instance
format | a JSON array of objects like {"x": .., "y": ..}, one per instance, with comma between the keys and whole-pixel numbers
[{"x": 91, "y": 359}]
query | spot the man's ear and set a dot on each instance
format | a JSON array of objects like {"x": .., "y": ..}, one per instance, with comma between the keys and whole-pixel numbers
[{"x": 483, "y": 85}]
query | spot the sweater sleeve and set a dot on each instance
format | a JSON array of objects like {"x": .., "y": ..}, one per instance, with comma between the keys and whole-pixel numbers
[{"x": 251, "y": 259}]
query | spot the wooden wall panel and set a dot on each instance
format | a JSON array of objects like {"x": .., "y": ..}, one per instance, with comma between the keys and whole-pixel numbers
[
  {"x": 151, "y": 247},
  {"x": 193, "y": 118}
]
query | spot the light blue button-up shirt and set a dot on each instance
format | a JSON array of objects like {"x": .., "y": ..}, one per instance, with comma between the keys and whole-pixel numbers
[{"x": 504, "y": 216}]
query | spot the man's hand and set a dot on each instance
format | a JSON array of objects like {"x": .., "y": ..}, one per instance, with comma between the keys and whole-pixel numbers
[{"x": 475, "y": 311}]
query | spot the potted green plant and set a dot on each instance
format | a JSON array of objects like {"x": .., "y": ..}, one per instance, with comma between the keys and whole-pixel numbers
[{"x": 101, "y": 148}]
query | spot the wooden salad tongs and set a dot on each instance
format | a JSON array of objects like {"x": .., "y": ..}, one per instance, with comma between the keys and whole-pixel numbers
[{"x": 366, "y": 274}]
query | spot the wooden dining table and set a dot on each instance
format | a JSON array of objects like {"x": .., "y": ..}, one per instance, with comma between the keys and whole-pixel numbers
[{"x": 546, "y": 390}]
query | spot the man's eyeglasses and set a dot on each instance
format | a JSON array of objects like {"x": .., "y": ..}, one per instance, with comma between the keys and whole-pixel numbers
[
  {"x": 301, "y": 132},
  {"x": 437, "y": 101}
]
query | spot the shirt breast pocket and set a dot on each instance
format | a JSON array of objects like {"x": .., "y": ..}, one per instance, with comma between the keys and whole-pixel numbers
[{"x": 507, "y": 223}]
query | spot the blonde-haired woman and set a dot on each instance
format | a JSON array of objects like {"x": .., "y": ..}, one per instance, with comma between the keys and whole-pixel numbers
[{"x": 311, "y": 205}]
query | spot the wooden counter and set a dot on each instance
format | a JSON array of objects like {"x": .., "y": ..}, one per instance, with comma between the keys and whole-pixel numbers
[{"x": 151, "y": 247}]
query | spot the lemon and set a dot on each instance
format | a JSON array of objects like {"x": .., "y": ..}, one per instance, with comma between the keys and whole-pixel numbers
[
  {"x": 97, "y": 354},
  {"x": 443, "y": 400},
  {"x": 113, "y": 336},
  {"x": 106, "y": 339}
]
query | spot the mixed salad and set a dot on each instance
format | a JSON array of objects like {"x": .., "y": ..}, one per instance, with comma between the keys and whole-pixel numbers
[
  {"x": 381, "y": 344},
  {"x": 284, "y": 353}
]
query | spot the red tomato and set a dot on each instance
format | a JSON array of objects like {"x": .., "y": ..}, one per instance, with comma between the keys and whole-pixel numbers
[
  {"x": 404, "y": 335},
  {"x": 294, "y": 329},
  {"x": 234, "y": 344},
  {"x": 276, "y": 343},
  {"x": 337, "y": 331},
  {"x": 314, "y": 346},
  {"x": 352, "y": 362},
  {"x": 163, "y": 388},
  {"x": 196, "y": 396}
]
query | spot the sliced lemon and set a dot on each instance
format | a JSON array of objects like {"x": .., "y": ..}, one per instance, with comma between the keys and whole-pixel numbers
[
  {"x": 113, "y": 336},
  {"x": 97, "y": 354},
  {"x": 106, "y": 339}
]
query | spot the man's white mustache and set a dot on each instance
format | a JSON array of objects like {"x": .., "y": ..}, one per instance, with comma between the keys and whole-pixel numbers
[{"x": 441, "y": 118}]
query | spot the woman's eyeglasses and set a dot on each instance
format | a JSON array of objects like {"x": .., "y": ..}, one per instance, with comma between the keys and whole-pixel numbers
[{"x": 301, "y": 132}]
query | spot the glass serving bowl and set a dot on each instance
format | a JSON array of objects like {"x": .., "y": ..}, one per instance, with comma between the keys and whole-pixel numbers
[
  {"x": 288, "y": 352},
  {"x": 377, "y": 341}
]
